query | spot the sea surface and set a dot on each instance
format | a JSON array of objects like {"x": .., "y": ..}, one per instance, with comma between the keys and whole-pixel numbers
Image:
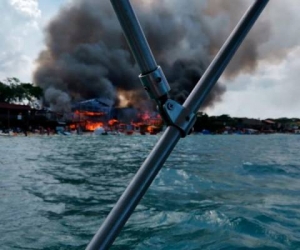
[{"x": 214, "y": 192}]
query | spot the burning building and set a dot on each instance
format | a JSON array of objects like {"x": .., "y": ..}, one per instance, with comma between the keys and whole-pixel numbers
[
  {"x": 86, "y": 56},
  {"x": 91, "y": 114},
  {"x": 100, "y": 112},
  {"x": 81, "y": 63}
]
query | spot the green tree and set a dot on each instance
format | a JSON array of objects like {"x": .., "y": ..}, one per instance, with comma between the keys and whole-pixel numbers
[{"x": 12, "y": 90}]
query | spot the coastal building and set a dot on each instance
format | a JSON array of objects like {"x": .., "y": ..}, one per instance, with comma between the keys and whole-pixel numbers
[{"x": 14, "y": 115}]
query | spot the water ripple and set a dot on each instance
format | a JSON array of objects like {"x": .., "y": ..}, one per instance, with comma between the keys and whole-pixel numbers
[{"x": 214, "y": 192}]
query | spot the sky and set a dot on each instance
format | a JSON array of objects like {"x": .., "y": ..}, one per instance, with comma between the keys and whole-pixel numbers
[{"x": 272, "y": 90}]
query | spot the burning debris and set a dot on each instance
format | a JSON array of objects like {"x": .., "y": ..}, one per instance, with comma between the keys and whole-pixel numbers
[
  {"x": 86, "y": 54},
  {"x": 97, "y": 113}
]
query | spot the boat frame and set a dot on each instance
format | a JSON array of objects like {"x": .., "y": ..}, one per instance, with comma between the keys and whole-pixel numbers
[{"x": 179, "y": 118}]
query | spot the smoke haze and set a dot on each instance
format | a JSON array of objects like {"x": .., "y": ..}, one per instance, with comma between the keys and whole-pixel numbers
[{"x": 86, "y": 55}]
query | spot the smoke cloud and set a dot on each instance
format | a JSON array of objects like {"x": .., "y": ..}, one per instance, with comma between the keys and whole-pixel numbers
[{"x": 86, "y": 55}]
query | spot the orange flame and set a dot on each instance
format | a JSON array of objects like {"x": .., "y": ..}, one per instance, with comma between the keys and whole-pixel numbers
[
  {"x": 113, "y": 122},
  {"x": 147, "y": 118},
  {"x": 72, "y": 126},
  {"x": 88, "y": 113},
  {"x": 91, "y": 126}
]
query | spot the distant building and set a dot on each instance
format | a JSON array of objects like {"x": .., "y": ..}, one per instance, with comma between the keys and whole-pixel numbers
[
  {"x": 94, "y": 105},
  {"x": 269, "y": 125},
  {"x": 14, "y": 115},
  {"x": 125, "y": 115},
  {"x": 244, "y": 123}
]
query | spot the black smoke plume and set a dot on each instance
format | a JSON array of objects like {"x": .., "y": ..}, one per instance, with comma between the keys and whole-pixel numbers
[{"x": 86, "y": 55}]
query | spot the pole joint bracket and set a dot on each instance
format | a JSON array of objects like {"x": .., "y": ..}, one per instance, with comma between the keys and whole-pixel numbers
[
  {"x": 156, "y": 85},
  {"x": 179, "y": 116}
]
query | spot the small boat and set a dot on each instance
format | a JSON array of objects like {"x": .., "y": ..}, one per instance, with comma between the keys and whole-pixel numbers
[
  {"x": 64, "y": 133},
  {"x": 7, "y": 134},
  {"x": 100, "y": 131}
]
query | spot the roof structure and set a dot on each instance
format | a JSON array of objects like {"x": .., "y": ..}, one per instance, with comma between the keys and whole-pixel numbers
[{"x": 14, "y": 106}]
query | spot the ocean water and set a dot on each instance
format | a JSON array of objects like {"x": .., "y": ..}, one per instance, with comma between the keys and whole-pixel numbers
[{"x": 214, "y": 192}]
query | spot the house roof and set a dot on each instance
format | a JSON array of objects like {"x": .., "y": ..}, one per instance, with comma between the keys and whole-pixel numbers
[{"x": 269, "y": 121}]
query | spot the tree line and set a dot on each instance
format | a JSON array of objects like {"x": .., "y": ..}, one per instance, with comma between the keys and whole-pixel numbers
[{"x": 12, "y": 90}]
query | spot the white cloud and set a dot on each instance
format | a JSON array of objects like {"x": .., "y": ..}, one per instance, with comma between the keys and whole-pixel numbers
[
  {"x": 274, "y": 91},
  {"x": 20, "y": 33},
  {"x": 26, "y": 7},
  {"x": 22, "y": 38}
]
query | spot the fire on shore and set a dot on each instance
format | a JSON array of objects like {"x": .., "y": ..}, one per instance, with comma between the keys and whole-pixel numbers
[
  {"x": 94, "y": 113},
  {"x": 84, "y": 116},
  {"x": 143, "y": 122}
]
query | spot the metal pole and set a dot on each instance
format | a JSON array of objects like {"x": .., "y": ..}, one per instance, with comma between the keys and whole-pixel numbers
[
  {"x": 148, "y": 171},
  {"x": 134, "y": 36}
]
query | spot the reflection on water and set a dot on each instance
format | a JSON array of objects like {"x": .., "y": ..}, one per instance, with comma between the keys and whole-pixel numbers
[{"x": 215, "y": 192}]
